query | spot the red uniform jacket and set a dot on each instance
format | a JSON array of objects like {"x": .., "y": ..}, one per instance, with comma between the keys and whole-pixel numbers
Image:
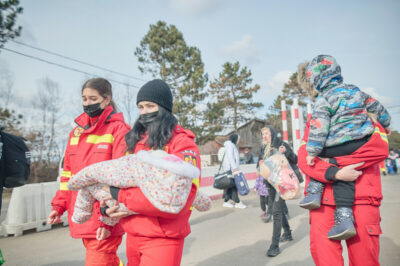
[
  {"x": 152, "y": 222},
  {"x": 105, "y": 140},
  {"x": 368, "y": 188}
]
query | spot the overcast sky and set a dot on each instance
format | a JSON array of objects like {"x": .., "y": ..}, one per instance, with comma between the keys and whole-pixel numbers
[{"x": 269, "y": 37}]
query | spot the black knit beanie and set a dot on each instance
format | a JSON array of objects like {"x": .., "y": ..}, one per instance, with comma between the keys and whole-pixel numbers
[{"x": 156, "y": 91}]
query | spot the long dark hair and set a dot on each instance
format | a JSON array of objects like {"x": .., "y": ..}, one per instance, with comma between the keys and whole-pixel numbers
[
  {"x": 159, "y": 131},
  {"x": 102, "y": 86}
]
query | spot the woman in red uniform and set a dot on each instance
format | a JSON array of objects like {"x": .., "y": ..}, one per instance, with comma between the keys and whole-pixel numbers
[
  {"x": 98, "y": 136},
  {"x": 153, "y": 237}
]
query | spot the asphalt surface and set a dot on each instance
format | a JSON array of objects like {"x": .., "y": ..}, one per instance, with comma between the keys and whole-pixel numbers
[{"x": 220, "y": 237}]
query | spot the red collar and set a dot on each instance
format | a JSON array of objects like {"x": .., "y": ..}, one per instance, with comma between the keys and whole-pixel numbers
[{"x": 89, "y": 123}]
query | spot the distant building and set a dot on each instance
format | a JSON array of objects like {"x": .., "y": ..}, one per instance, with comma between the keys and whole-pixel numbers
[{"x": 250, "y": 137}]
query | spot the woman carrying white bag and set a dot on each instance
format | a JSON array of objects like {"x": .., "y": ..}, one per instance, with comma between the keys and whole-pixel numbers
[
  {"x": 230, "y": 163},
  {"x": 275, "y": 145}
]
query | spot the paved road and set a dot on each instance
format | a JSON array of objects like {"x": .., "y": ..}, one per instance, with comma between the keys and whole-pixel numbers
[{"x": 220, "y": 237}]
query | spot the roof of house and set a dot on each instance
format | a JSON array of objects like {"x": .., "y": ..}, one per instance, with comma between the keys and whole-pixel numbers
[{"x": 242, "y": 126}]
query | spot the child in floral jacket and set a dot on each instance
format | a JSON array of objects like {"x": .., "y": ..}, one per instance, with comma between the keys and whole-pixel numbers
[
  {"x": 262, "y": 190},
  {"x": 164, "y": 179}
]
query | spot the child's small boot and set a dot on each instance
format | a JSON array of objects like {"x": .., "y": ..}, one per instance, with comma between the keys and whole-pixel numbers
[
  {"x": 344, "y": 224},
  {"x": 314, "y": 195}
]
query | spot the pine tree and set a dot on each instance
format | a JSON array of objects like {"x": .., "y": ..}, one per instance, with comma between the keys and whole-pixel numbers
[
  {"x": 213, "y": 121},
  {"x": 292, "y": 89},
  {"x": 9, "y": 9},
  {"x": 233, "y": 90},
  {"x": 164, "y": 53},
  {"x": 10, "y": 121},
  {"x": 274, "y": 115},
  {"x": 394, "y": 139}
]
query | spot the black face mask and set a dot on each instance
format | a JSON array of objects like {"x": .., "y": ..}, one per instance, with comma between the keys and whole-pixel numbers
[
  {"x": 93, "y": 110},
  {"x": 147, "y": 119}
]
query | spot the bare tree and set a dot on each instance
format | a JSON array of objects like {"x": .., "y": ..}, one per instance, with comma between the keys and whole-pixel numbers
[
  {"x": 48, "y": 104},
  {"x": 126, "y": 101},
  {"x": 6, "y": 87}
]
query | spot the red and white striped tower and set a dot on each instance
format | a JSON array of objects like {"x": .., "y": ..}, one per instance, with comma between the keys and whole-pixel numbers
[
  {"x": 296, "y": 125},
  {"x": 308, "y": 111},
  {"x": 284, "y": 122}
]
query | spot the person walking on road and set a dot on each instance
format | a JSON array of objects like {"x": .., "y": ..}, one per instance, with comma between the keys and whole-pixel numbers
[
  {"x": 155, "y": 237},
  {"x": 274, "y": 144},
  {"x": 262, "y": 191},
  {"x": 340, "y": 124},
  {"x": 265, "y": 152},
  {"x": 230, "y": 164},
  {"x": 98, "y": 136},
  {"x": 248, "y": 156},
  {"x": 362, "y": 166},
  {"x": 393, "y": 158}
]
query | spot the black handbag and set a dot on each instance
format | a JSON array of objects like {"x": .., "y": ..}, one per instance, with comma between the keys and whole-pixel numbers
[{"x": 223, "y": 180}]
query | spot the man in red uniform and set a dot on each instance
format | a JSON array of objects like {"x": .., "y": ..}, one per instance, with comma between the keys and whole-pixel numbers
[{"x": 363, "y": 167}]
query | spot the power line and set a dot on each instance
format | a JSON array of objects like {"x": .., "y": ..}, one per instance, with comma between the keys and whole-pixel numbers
[
  {"x": 66, "y": 67},
  {"x": 77, "y": 61}
]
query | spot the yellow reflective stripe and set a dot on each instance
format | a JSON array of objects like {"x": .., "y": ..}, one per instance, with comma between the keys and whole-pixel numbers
[
  {"x": 383, "y": 135},
  {"x": 302, "y": 143},
  {"x": 95, "y": 139},
  {"x": 74, "y": 141},
  {"x": 66, "y": 174},
  {"x": 64, "y": 186},
  {"x": 196, "y": 181},
  {"x": 120, "y": 263}
]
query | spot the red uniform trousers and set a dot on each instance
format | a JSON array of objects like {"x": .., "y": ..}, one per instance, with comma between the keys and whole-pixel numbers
[
  {"x": 102, "y": 253},
  {"x": 363, "y": 249},
  {"x": 153, "y": 251}
]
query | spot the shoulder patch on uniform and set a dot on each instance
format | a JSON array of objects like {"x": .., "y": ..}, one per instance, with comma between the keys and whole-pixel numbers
[
  {"x": 189, "y": 152},
  {"x": 190, "y": 159},
  {"x": 78, "y": 131}
]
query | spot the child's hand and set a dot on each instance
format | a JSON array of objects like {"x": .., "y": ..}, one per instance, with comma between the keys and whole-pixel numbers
[
  {"x": 113, "y": 211},
  {"x": 388, "y": 131},
  {"x": 102, "y": 233},
  {"x": 310, "y": 160}
]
